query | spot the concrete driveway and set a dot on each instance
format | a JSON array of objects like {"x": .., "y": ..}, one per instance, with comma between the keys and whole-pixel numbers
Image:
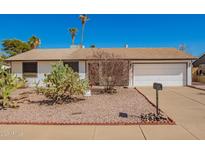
[{"x": 183, "y": 104}]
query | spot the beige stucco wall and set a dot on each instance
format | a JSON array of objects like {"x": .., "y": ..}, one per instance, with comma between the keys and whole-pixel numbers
[
  {"x": 16, "y": 68},
  {"x": 44, "y": 67},
  {"x": 189, "y": 73},
  {"x": 131, "y": 67},
  {"x": 82, "y": 69}
]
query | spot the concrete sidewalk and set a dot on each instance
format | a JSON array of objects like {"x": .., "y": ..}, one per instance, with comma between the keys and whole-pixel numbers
[
  {"x": 183, "y": 104},
  {"x": 70, "y": 132},
  {"x": 23, "y": 132}
]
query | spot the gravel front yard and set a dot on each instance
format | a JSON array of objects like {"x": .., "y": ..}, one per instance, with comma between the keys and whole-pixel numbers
[{"x": 99, "y": 108}]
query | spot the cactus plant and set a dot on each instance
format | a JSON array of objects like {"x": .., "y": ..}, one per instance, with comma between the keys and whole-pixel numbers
[
  {"x": 8, "y": 83},
  {"x": 62, "y": 83}
]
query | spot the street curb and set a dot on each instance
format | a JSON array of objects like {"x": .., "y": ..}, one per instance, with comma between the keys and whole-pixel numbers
[{"x": 90, "y": 124}]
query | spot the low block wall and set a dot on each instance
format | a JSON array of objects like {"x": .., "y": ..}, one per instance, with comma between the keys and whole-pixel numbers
[
  {"x": 201, "y": 79},
  {"x": 194, "y": 74}
]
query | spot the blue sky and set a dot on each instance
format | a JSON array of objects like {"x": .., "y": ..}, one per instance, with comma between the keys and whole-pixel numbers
[{"x": 110, "y": 30}]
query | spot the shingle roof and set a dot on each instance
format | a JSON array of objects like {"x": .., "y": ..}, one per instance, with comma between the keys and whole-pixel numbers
[
  {"x": 199, "y": 61},
  {"x": 87, "y": 53}
]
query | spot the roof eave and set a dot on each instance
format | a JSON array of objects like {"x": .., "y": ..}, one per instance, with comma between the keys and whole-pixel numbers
[{"x": 85, "y": 59}]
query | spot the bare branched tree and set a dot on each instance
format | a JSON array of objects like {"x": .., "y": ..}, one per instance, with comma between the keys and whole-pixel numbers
[{"x": 108, "y": 70}]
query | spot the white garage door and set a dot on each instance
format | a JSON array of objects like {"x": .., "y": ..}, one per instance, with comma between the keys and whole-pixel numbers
[{"x": 167, "y": 74}]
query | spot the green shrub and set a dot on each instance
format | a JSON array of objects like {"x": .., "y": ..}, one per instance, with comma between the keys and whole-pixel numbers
[
  {"x": 21, "y": 82},
  {"x": 8, "y": 83},
  {"x": 62, "y": 84}
]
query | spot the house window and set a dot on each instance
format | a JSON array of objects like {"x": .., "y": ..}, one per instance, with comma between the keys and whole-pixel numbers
[
  {"x": 30, "y": 69},
  {"x": 73, "y": 65}
]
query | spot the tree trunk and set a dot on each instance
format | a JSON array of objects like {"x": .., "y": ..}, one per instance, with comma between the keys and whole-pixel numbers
[
  {"x": 83, "y": 26},
  {"x": 73, "y": 38}
]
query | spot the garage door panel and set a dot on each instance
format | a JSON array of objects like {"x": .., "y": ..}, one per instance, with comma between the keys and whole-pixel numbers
[
  {"x": 167, "y": 74},
  {"x": 159, "y": 77},
  {"x": 170, "y": 66},
  {"x": 150, "y": 83}
]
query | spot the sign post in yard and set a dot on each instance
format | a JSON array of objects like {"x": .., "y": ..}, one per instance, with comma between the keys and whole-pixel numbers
[{"x": 157, "y": 86}]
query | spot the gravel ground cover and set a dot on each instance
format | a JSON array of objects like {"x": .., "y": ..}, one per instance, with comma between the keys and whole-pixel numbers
[{"x": 99, "y": 108}]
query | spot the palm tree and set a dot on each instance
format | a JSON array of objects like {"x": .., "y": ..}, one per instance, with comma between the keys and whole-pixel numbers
[
  {"x": 84, "y": 18},
  {"x": 93, "y": 46},
  {"x": 34, "y": 42},
  {"x": 73, "y": 32}
]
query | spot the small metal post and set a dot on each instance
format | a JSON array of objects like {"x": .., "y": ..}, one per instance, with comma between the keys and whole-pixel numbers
[
  {"x": 157, "y": 87},
  {"x": 157, "y": 100}
]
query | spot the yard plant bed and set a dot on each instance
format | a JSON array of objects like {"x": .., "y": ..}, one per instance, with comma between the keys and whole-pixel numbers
[{"x": 100, "y": 108}]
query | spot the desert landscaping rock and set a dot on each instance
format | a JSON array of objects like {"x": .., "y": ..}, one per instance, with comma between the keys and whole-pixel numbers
[{"x": 98, "y": 108}]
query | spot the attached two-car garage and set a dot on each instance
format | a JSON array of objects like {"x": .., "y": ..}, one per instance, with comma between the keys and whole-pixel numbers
[{"x": 169, "y": 74}]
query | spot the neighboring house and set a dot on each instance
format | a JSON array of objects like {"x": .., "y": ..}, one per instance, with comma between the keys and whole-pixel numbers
[
  {"x": 198, "y": 72},
  {"x": 168, "y": 66},
  {"x": 199, "y": 64},
  {"x": 199, "y": 61}
]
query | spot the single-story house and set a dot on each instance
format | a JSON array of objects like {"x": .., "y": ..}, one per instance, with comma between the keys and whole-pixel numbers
[{"x": 168, "y": 66}]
